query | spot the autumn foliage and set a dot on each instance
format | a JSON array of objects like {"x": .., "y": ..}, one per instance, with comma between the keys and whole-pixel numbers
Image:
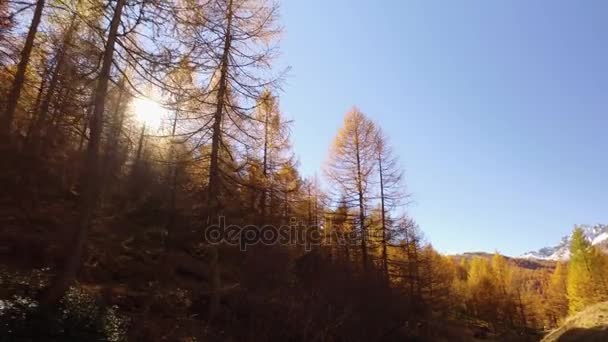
[{"x": 105, "y": 219}]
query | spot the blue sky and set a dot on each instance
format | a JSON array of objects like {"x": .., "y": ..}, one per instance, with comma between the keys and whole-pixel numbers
[{"x": 497, "y": 109}]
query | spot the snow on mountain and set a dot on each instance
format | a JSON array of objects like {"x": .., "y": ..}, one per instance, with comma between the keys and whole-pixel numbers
[
  {"x": 599, "y": 238},
  {"x": 596, "y": 234}
]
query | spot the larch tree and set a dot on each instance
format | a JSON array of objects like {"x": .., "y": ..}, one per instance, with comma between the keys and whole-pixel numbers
[
  {"x": 285, "y": 192},
  {"x": 90, "y": 186},
  {"x": 556, "y": 306},
  {"x": 503, "y": 276},
  {"x": 392, "y": 193},
  {"x": 352, "y": 166},
  {"x": 239, "y": 35},
  {"x": 182, "y": 79},
  {"x": 275, "y": 146},
  {"x": 438, "y": 278},
  {"x": 483, "y": 292},
  {"x": 57, "y": 70},
  {"x": 315, "y": 202},
  {"x": 410, "y": 269},
  {"x": 6, "y": 120},
  {"x": 520, "y": 298},
  {"x": 339, "y": 229},
  {"x": 586, "y": 283}
]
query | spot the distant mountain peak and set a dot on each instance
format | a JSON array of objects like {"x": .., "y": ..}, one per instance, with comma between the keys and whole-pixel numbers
[{"x": 596, "y": 234}]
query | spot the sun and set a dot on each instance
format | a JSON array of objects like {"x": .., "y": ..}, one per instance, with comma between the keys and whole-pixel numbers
[{"x": 148, "y": 112}]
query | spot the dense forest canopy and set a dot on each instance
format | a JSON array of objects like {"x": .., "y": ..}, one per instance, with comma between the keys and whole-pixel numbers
[{"x": 151, "y": 192}]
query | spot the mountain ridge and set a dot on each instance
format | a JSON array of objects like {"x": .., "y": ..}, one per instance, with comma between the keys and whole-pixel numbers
[{"x": 596, "y": 234}]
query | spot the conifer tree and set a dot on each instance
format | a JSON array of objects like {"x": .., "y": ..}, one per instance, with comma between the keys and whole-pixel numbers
[
  {"x": 90, "y": 186},
  {"x": 391, "y": 190},
  {"x": 557, "y": 296},
  {"x": 351, "y": 167},
  {"x": 586, "y": 274},
  {"x": 483, "y": 292},
  {"x": 438, "y": 277},
  {"x": 503, "y": 281}
]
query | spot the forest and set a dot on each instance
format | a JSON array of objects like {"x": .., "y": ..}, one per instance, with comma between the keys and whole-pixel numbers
[{"x": 150, "y": 192}]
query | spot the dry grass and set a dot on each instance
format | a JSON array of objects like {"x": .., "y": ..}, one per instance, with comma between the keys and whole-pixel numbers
[{"x": 590, "y": 324}]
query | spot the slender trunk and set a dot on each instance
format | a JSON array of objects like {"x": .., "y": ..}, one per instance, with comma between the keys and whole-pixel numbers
[
  {"x": 35, "y": 113},
  {"x": 136, "y": 170},
  {"x": 430, "y": 279},
  {"x": 172, "y": 182},
  {"x": 361, "y": 206},
  {"x": 213, "y": 205},
  {"x": 347, "y": 240},
  {"x": 309, "y": 206},
  {"x": 13, "y": 97},
  {"x": 85, "y": 126},
  {"x": 119, "y": 117},
  {"x": 316, "y": 211},
  {"x": 59, "y": 110},
  {"x": 110, "y": 159},
  {"x": 271, "y": 202},
  {"x": 89, "y": 178},
  {"x": 34, "y": 142},
  {"x": 140, "y": 146},
  {"x": 83, "y": 137},
  {"x": 265, "y": 166},
  {"x": 285, "y": 204},
  {"x": 411, "y": 248},
  {"x": 416, "y": 269},
  {"x": 410, "y": 266},
  {"x": 383, "y": 208}
]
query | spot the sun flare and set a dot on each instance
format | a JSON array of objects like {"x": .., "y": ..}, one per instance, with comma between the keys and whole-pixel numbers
[{"x": 148, "y": 112}]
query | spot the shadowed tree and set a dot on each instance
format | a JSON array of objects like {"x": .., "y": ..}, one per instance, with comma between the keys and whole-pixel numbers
[
  {"x": 61, "y": 54},
  {"x": 239, "y": 36},
  {"x": 392, "y": 193},
  {"x": 90, "y": 186},
  {"x": 275, "y": 146}
]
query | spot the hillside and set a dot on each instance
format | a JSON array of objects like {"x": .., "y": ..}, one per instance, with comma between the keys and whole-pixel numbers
[
  {"x": 531, "y": 264},
  {"x": 589, "y": 325}
]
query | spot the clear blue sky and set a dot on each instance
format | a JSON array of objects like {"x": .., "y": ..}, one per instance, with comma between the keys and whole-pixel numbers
[{"x": 497, "y": 109}]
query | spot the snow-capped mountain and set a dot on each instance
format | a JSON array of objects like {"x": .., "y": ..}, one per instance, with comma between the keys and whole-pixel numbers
[{"x": 596, "y": 234}]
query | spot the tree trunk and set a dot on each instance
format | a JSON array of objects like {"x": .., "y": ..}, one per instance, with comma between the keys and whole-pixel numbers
[
  {"x": 37, "y": 103},
  {"x": 361, "y": 206},
  {"x": 34, "y": 141},
  {"x": 110, "y": 162},
  {"x": 90, "y": 192},
  {"x": 265, "y": 167},
  {"x": 13, "y": 97},
  {"x": 285, "y": 204},
  {"x": 172, "y": 183},
  {"x": 309, "y": 206},
  {"x": 383, "y": 208},
  {"x": 140, "y": 146},
  {"x": 213, "y": 209}
]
